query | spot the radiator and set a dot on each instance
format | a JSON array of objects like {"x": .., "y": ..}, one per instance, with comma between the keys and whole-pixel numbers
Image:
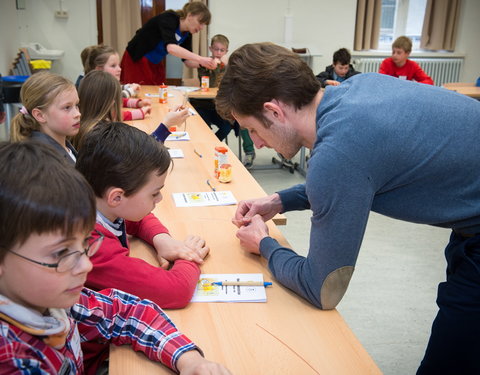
[{"x": 442, "y": 70}]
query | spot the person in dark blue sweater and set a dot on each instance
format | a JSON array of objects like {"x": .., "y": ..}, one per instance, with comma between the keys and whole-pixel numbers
[{"x": 379, "y": 144}]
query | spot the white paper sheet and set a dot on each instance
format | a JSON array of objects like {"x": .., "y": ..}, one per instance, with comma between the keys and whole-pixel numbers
[
  {"x": 202, "y": 199},
  {"x": 206, "y": 292}
]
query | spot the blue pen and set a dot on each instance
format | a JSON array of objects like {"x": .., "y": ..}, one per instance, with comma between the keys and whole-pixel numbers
[{"x": 243, "y": 283}]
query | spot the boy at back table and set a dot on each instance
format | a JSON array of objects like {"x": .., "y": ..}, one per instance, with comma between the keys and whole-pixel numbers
[
  {"x": 339, "y": 71},
  {"x": 127, "y": 169},
  {"x": 46, "y": 315},
  {"x": 206, "y": 108},
  {"x": 399, "y": 64}
]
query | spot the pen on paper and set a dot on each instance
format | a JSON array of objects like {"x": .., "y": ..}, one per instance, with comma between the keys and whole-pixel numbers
[
  {"x": 242, "y": 283},
  {"x": 199, "y": 154},
  {"x": 181, "y": 135},
  {"x": 211, "y": 186}
]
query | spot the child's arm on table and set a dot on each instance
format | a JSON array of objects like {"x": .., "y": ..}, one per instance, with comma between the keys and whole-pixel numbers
[{"x": 121, "y": 318}]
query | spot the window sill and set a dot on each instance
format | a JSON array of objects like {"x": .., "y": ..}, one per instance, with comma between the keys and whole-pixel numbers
[{"x": 378, "y": 53}]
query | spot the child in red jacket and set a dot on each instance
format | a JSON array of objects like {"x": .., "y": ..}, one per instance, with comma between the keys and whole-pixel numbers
[
  {"x": 400, "y": 66},
  {"x": 127, "y": 169}
]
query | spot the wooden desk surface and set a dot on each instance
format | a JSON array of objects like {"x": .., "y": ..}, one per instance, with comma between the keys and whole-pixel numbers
[
  {"x": 468, "y": 89},
  {"x": 210, "y": 94},
  {"x": 285, "y": 335}
]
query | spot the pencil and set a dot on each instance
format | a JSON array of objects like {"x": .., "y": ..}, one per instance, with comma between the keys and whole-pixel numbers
[
  {"x": 195, "y": 151},
  {"x": 242, "y": 283},
  {"x": 211, "y": 186}
]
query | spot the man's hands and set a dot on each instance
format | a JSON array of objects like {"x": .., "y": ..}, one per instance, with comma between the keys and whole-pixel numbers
[
  {"x": 266, "y": 207},
  {"x": 251, "y": 234},
  {"x": 250, "y": 217}
]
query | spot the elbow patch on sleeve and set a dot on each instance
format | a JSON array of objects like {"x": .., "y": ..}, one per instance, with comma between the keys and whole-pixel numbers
[{"x": 335, "y": 286}]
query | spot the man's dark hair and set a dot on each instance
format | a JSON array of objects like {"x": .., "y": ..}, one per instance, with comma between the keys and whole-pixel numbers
[
  {"x": 40, "y": 193},
  {"x": 342, "y": 56},
  {"x": 115, "y": 154},
  {"x": 257, "y": 73}
]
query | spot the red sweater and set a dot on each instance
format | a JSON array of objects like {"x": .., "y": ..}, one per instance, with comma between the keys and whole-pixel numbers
[
  {"x": 114, "y": 268},
  {"x": 411, "y": 70},
  {"x": 134, "y": 114}
]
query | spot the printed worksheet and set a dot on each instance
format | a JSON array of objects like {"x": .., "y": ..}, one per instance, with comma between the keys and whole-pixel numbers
[
  {"x": 176, "y": 153},
  {"x": 206, "y": 291},
  {"x": 178, "y": 136},
  {"x": 202, "y": 199}
]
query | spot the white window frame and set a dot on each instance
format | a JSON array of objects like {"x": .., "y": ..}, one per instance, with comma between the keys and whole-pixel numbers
[{"x": 400, "y": 25}]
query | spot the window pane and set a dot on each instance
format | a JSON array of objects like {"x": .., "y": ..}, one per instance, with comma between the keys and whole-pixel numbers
[
  {"x": 387, "y": 21},
  {"x": 416, "y": 13}
]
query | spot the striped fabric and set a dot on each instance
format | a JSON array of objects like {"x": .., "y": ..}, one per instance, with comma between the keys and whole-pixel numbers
[{"x": 109, "y": 316}]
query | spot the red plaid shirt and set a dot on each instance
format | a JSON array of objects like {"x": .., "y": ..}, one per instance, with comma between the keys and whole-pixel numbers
[{"x": 110, "y": 317}]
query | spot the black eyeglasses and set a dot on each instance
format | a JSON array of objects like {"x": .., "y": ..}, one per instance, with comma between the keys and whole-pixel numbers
[{"x": 70, "y": 260}]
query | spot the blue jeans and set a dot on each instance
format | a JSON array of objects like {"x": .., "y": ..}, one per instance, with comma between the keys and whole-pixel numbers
[{"x": 454, "y": 344}]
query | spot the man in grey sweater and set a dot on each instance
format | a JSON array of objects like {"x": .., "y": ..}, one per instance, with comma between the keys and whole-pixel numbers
[{"x": 402, "y": 149}]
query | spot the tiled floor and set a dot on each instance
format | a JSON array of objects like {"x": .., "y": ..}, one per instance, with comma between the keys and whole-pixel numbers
[{"x": 390, "y": 303}]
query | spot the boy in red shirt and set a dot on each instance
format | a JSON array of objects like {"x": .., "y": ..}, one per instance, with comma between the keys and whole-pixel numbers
[
  {"x": 127, "y": 169},
  {"x": 400, "y": 66}
]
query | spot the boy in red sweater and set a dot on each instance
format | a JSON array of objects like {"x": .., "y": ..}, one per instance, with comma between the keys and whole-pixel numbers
[
  {"x": 400, "y": 66},
  {"x": 127, "y": 169}
]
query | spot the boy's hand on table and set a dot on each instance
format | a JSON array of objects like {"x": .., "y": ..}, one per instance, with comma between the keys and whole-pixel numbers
[
  {"x": 331, "y": 82},
  {"x": 192, "y": 363},
  {"x": 193, "y": 248}
]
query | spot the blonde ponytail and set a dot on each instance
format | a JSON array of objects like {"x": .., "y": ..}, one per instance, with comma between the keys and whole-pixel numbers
[{"x": 22, "y": 127}]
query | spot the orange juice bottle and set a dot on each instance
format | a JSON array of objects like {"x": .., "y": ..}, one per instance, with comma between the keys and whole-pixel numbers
[
  {"x": 205, "y": 83},
  {"x": 221, "y": 158},
  {"x": 163, "y": 93}
]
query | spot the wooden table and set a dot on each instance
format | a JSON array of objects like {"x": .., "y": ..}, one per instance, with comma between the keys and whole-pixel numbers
[
  {"x": 199, "y": 94},
  {"x": 468, "y": 89},
  {"x": 285, "y": 335}
]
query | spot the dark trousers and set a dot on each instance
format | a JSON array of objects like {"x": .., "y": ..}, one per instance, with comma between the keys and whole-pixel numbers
[
  {"x": 454, "y": 345},
  {"x": 206, "y": 110}
]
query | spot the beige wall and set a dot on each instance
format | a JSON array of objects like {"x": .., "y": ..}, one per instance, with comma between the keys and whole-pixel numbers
[
  {"x": 37, "y": 23},
  {"x": 10, "y": 31}
]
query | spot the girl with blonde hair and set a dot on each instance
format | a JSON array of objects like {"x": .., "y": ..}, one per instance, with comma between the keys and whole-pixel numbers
[{"x": 49, "y": 114}]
